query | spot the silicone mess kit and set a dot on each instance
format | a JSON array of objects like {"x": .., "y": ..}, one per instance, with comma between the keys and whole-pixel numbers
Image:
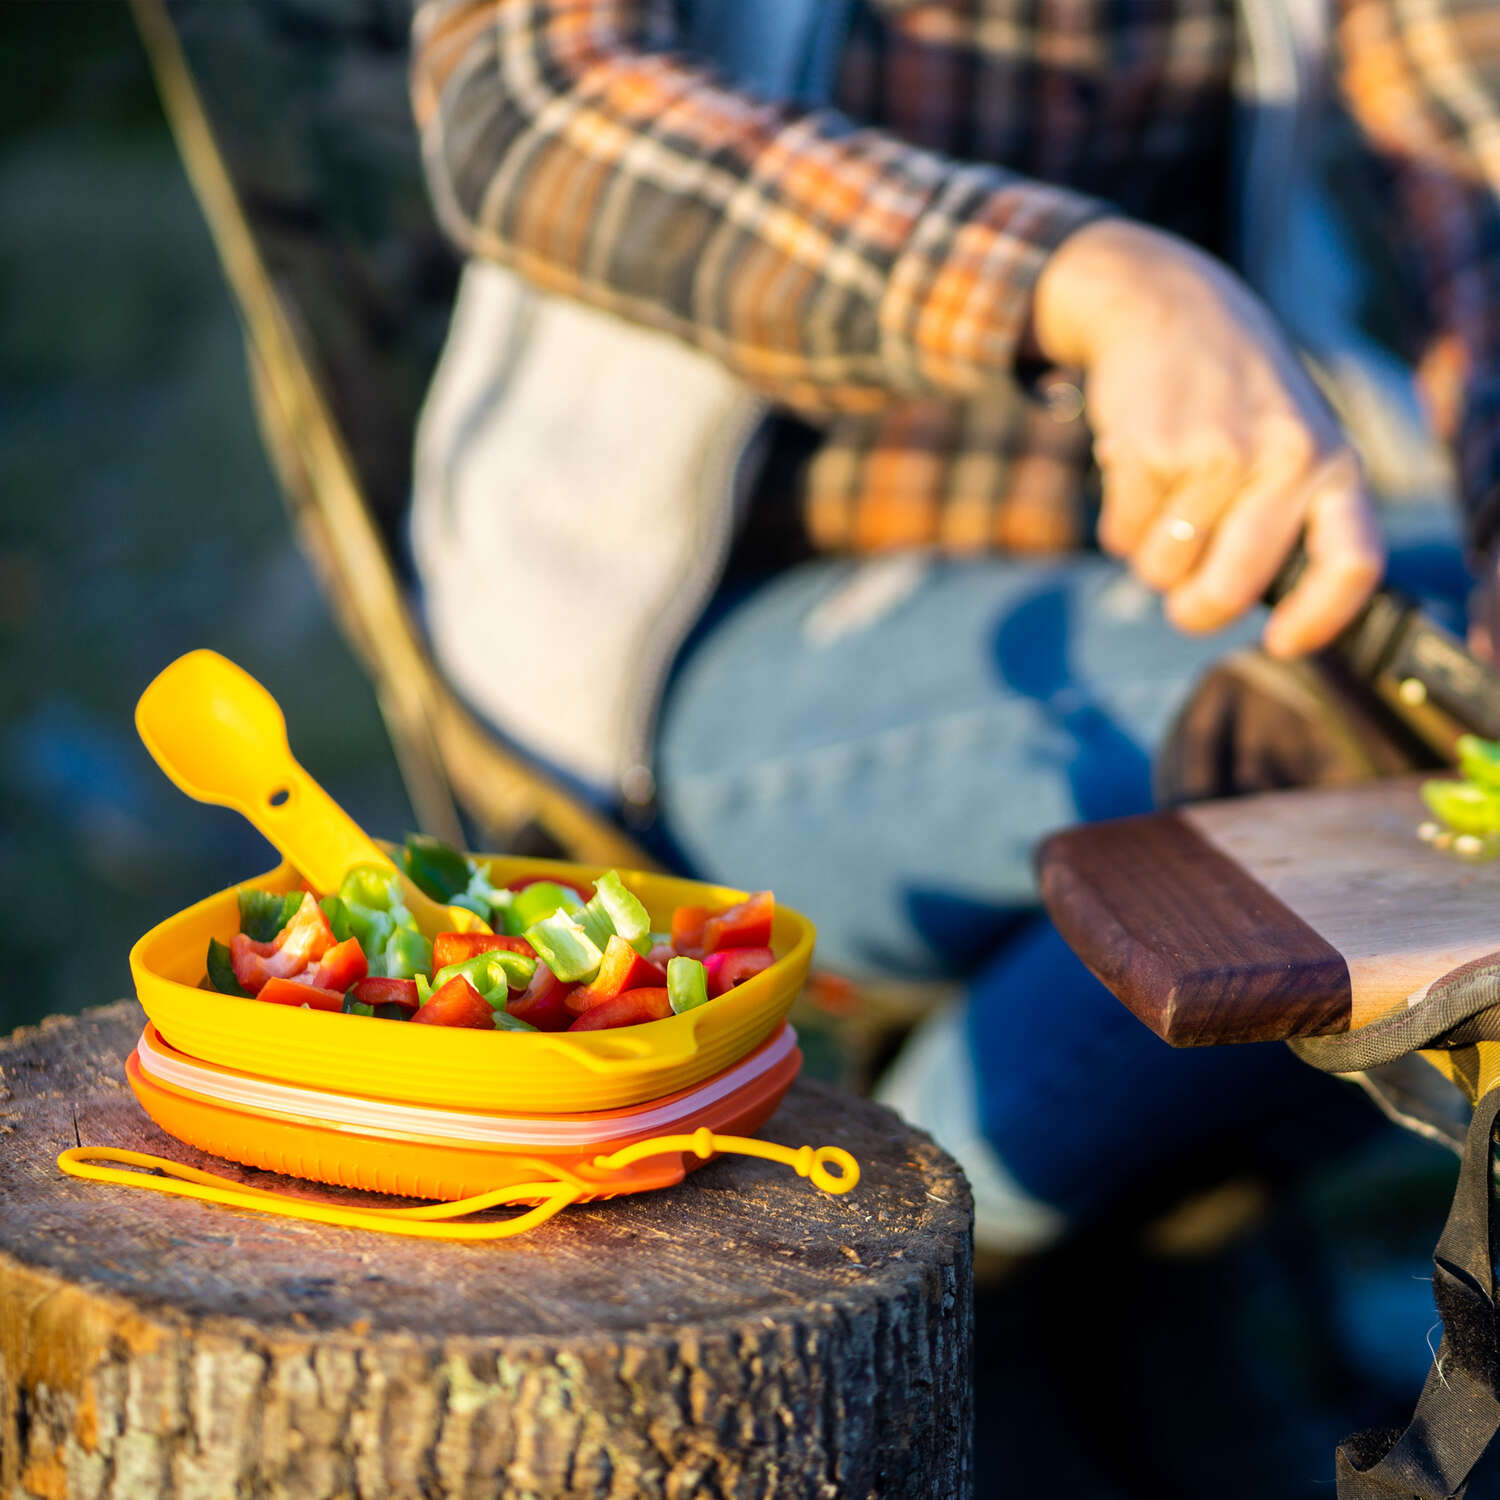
[{"x": 470, "y": 1117}]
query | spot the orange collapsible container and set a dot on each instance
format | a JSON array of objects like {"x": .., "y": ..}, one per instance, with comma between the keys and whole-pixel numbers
[{"x": 425, "y": 1152}]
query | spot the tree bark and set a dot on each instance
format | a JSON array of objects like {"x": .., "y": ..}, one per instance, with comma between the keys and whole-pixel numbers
[{"x": 740, "y": 1335}]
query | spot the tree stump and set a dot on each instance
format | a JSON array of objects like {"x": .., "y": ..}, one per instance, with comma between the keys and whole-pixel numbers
[{"x": 742, "y": 1334}]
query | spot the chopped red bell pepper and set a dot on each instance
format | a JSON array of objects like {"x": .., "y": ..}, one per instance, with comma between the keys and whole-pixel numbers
[
  {"x": 623, "y": 969},
  {"x": 544, "y": 1002},
  {"x": 291, "y": 992},
  {"x": 340, "y": 966},
  {"x": 734, "y": 966},
  {"x": 304, "y": 940},
  {"x": 455, "y": 947},
  {"x": 687, "y": 927},
  {"x": 628, "y": 1009},
  {"x": 457, "y": 1003},
  {"x": 746, "y": 925},
  {"x": 377, "y": 991}
]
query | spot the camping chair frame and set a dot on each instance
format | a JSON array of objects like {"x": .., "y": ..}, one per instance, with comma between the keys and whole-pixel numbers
[{"x": 446, "y": 757}]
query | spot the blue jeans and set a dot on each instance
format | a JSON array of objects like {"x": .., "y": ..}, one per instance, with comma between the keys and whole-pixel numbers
[{"x": 882, "y": 744}]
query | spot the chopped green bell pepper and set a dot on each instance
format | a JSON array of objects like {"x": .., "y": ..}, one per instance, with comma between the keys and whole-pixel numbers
[
  {"x": 221, "y": 970},
  {"x": 626, "y": 914},
  {"x": 1479, "y": 760},
  {"x": 436, "y": 869},
  {"x": 407, "y": 954},
  {"x": 564, "y": 946},
  {"x": 687, "y": 984},
  {"x": 1464, "y": 807},
  {"x": 493, "y": 974},
  {"x": 369, "y": 907},
  {"x": 264, "y": 913},
  {"x": 445, "y": 874},
  {"x": 504, "y": 1021},
  {"x": 535, "y": 902}
]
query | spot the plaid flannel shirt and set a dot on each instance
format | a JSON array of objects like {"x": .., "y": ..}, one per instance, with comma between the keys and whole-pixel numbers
[{"x": 871, "y": 267}]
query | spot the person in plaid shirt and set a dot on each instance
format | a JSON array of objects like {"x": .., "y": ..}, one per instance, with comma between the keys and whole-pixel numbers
[{"x": 990, "y": 277}]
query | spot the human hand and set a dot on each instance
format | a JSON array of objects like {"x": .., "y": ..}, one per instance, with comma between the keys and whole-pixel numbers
[{"x": 1217, "y": 451}]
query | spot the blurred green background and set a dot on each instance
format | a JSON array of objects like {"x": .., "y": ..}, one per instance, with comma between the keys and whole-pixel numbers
[{"x": 139, "y": 520}]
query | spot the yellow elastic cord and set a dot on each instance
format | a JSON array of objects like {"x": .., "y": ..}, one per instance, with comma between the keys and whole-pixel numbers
[
  {"x": 420, "y": 1220},
  {"x": 803, "y": 1160},
  {"x": 187, "y": 1182}
]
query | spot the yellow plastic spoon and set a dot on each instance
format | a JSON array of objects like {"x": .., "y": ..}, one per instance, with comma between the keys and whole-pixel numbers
[{"x": 221, "y": 737}]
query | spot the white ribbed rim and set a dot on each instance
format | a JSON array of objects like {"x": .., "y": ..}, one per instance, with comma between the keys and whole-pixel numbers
[{"x": 263, "y": 1096}]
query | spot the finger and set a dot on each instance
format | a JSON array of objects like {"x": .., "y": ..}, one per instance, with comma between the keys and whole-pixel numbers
[
  {"x": 1178, "y": 535},
  {"x": 1345, "y": 560},
  {"x": 1247, "y": 548},
  {"x": 1482, "y": 642},
  {"x": 1132, "y": 496}
]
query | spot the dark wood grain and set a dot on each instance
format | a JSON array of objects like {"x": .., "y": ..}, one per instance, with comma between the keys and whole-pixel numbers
[
  {"x": 1192, "y": 943},
  {"x": 739, "y": 1335}
]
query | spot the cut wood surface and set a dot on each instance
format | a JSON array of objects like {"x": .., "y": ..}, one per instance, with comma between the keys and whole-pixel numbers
[
  {"x": 742, "y": 1334},
  {"x": 1287, "y": 914}
]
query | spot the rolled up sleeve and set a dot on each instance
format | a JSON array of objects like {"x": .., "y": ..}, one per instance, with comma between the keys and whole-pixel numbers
[{"x": 833, "y": 266}]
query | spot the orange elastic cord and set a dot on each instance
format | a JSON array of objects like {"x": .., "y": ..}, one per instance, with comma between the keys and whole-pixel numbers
[{"x": 424, "y": 1220}]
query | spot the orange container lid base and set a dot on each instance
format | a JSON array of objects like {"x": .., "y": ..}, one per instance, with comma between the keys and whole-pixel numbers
[{"x": 219, "y": 1118}]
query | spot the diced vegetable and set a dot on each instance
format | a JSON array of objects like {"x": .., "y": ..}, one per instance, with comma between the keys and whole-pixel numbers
[
  {"x": 338, "y": 918},
  {"x": 454, "y": 947},
  {"x": 264, "y": 913},
  {"x": 622, "y": 968},
  {"x": 341, "y": 966},
  {"x": 687, "y": 984},
  {"x": 371, "y": 909},
  {"x": 746, "y": 925},
  {"x": 457, "y": 1003},
  {"x": 407, "y": 953},
  {"x": 290, "y": 992},
  {"x": 544, "y": 1004},
  {"x": 504, "y": 1021},
  {"x": 445, "y": 874},
  {"x": 537, "y": 901},
  {"x": 687, "y": 927},
  {"x": 522, "y": 882},
  {"x": 1464, "y": 807},
  {"x": 435, "y": 868},
  {"x": 493, "y": 974},
  {"x": 1479, "y": 760},
  {"x": 573, "y": 957},
  {"x": 626, "y": 914},
  {"x": 564, "y": 947},
  {"x": 732, "y": 966},
  {"x": 221, "y": 970},
  {"x": 629, "y": 1009},
  {"x": 380, "y": 993},
  {"x": 306, "y": 938}
]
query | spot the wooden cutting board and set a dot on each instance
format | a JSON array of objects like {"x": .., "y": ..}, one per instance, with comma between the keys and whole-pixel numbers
[{"x": 1287, "y": 914}]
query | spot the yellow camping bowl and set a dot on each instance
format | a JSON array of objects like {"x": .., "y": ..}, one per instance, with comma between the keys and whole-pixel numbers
[{"x": 539, "y": 1072}]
